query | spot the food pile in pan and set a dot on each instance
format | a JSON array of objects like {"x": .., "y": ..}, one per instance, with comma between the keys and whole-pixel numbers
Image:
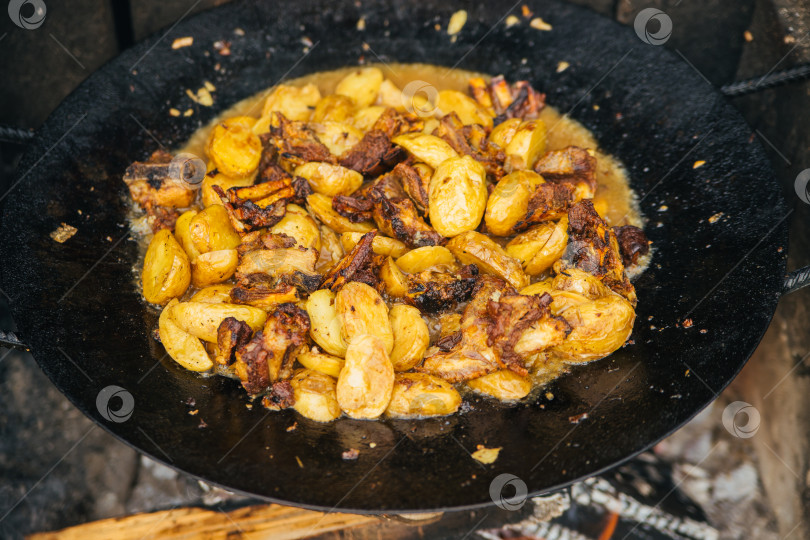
[{"x": 371, "y": 253}]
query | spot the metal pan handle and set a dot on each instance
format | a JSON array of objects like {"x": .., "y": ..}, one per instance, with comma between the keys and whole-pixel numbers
[{"x": 796, "y": 280}]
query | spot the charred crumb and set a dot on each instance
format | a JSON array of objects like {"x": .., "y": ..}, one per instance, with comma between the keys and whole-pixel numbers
[{"x": 350, "y": 454}]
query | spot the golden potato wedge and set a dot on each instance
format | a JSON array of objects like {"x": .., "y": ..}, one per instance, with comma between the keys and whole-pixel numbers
[
  {"x": 362, "y": 311},
  {"x": 365, "y": 118},
  {"x": 166, "y": 269},
  {"x": 418, "y": 395},
  {"x": 298, "y": 224},
  {"x": 468, "y": 111},
  {"x": 337, "y": 136},
  {"x": 213, "y": 267},
  {"x": 502, "y": 134},
  {"x": 396, "y": 284},
  {"x": 599, "y": 328},
  {"x": 539, "y": 247},
  {"x": 234, "y": 148},
  {"x": 366, "y": 381},
  {"x": 411, "y": 337},
  {"x": 329, "y": 179},
  {"x": 420, "y": 259},
  {"x": 381, "y": 245},
  {"x": 579, "y": 281},
  {"x": 325, "y": 363},
  {"x": 214, "y": 294},
  {"x": 333, "y": 108},
  {"x": 325, "y": 325},
  {"x": 181, "y": 232},
  {"x": 562, "y": 300},
  {"x": 509, "y": 201},
  {"x": 389, "y": 95},
  {"x": 473, "y": 247},
  {"x": 184, "y": 348},
  {"x": 315, "y": 396},
  {"x": 294, "y": 102},
  {"x": 527, "y": 144},
  {"x": 458, "y": 196},
  {"x": 504, "y": 385},
  {"x": 211, "y": 230},
  {"x": 202, "y": 319},
  {"x": 361, "y": 85},
  {"x": 209, "y": 196},
  {"x": 331, "y": 249},
  {"x": 428, "y": 148},
  {"x": 321, "y": 207}
]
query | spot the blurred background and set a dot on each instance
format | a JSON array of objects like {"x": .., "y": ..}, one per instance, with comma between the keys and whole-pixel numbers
[{"x": 53, "y": 474}]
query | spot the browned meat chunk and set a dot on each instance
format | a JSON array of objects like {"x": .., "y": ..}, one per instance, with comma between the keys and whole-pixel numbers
[
  {"x": 295, "y": 143},
  {"x": 161, "y": 217},
  {"x": 264, "y": 240},
  {"x": 232, "y": 335},
  {"x": 471, "y": 141},
  {"x": 277, "y": 262},
  {"x": 633, "y": 243},
  {"x": 354, "y": 209},
  {"x": 594, "y": 248},
  {"x": 549, "y": 201},
  {"x": 263, "y": 294},
  {"x": 433, "y": 292},
  {"x": 246, "y": 215},
  {"x": 414, "y": 185},
  {"x": 151, "y": 183},
  {"x": 269, "y": 356},
  {"x": 393, "y": 123},
  {"x": 373, "y": 155},
  {"x": 281, "y": 396},
  {"x": 572, "y": 165},
  {"x": 519, "y": 100},
  {"x": 350, "y": 265}
]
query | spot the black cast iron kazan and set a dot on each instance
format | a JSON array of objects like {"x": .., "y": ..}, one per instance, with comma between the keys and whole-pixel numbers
[{"x": 654, "y": 113}]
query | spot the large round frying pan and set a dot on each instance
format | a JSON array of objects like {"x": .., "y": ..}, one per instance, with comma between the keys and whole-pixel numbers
[{"x": 77, "y": 308}]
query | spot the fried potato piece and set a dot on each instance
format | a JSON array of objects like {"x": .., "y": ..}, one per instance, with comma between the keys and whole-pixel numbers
[
  {"x": 278, "y": 262},
  {"x": 418, "y": 395},
  {"x": 315, "y": 395},
  {"x": 325, "y": 325},
  {"x": 389, "y": 95},
  {"x": 426, "y": 148},
  {"x": 234, "y": 148},
  {"x": 184, "y": 348},
  {"x": 395, "y": 282},
  {"x": 182, "y": 233},
  {"x": 333, "y": 108},
  {"x": 211, "y": 230},
  {"x": 526, "y": 145},
  {"x": 458, "y": 196},
  {"x": 321, "y": 206},
  {"x": 298, "y": 224},
  {"x": 366, "y": 381},
  {"x": 166, "y": 269},
  {"x": 330, "y": 180},
  {"x": 382, "y": 245},
  {"x": 338, "y": 137},
  {"x": 361, "y": 85},
  {"x": 503, "y": 133},
  {"x": 202, "y": 319},
  {"x": 504, "y": 385},
  {"x": 509, "y": 201},
  {"x": 424, "y": 258},
  {"x": 600, "y": 327},
  {"x": 362, "y": 311},
  {"x": 213, "y": 267},
  {"x": 365, "y": 118},
  {"x": 468, "y": 111},
  {"x": 473, "y": 247},
  {"x": 264, "y": 295},
  {"x": 539, "y": 247},
  {"x": 411, "y": 337},
  {"x": 214, "y": 294},
  {"x": 318, "y": 361},
  {"x": 295, "y": 103}
]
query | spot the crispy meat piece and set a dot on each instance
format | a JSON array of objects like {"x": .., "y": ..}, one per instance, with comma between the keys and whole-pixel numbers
[
  {"x": 247, "y": 215},
  {"x": 264, "y": 240},
  {"x": 571, "y": 165},
  {"x": 232, "y": 335},
  {"x": 433, "y": 292},
  {"x": 269, "y": 356},
  {"x": 269, "y": 151},
  {"x": 471, "y": 141},
  {"x": 161, "y": 217},
  {"x": 263, "y": 294},
  {"x": 296, "y": 143},
  {"x": 519, "y": 100},
  {"x": 280, "y": 396},
  {"x": 354, "y": 261},
  {"x": 511, "y": 315},
  {"x": 549, "y": 201},
  {"x": 302, "y": 190},
  {"x": 354, "y": 209},
  {"x": 151, "y": 184},
  {"x": 449, "y": 341},
  {"x": 373, "y": 155},
  {"x": 396, "y": 215},
  {"x": 633, "y": 243},
  {"x": 272, "y": 172},
  {"x": 393, "y": 123},
  {"x": 277, "y": 262},
  {"x": 594, "y": 248},
  {"x": 414, "y": 185}
]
